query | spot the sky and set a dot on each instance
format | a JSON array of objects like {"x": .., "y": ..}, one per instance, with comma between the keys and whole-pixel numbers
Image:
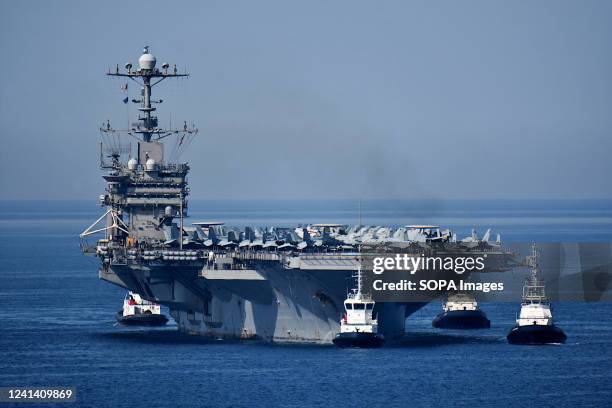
[{"x": 319, "y": 99}]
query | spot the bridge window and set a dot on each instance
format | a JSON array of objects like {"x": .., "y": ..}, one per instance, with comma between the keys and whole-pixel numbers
[
  {"x": 359, "y": 306},
  {"x": 349, "y": 306},
  {"x": 369, "y": 306}
]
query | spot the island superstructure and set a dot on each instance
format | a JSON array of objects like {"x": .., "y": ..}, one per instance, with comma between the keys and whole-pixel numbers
[{"x": 272, "y": 283}]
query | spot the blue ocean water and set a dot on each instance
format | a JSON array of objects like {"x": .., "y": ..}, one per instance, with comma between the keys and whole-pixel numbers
[{"x": 58, "y": 323}]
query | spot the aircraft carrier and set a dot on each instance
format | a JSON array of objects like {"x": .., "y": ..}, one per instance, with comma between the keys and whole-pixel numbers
[{"x": 284, "y": 284}]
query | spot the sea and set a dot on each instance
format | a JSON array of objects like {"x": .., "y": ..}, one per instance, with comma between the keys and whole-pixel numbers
[{"x": 57, "y": 325}]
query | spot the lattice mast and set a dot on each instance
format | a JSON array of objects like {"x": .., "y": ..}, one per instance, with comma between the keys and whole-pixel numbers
[
  {"x": 146, "y": 129},
  {"x": 534, "y": 289}
]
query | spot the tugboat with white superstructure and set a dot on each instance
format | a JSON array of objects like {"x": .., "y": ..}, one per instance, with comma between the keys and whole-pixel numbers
[
  {"x": 461, "y": 312},
  {"x": 359, "y": 326},
  {"x": 535, "y": 322},
  {"x": 140, "y": 312}
]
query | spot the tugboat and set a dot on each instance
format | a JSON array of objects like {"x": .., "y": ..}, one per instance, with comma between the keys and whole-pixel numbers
[
  {"x": 139, "y": 312},
  {"x": 359, "y": 327},
  {"x": 535, "y": 322},
  {"x": 461, "y": 312}
]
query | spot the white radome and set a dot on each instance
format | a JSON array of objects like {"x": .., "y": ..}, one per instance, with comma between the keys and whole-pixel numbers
[
  {"x": 147, "y": 61},
  {"x": 151, "y": 165},
  {"x": 132, "y": 163}
]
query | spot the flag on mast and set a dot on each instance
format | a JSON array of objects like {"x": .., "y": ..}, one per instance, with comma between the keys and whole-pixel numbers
[{"x": 124, "y": 88}]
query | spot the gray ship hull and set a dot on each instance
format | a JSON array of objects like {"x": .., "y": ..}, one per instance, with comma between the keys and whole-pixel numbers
[{"x": 266, "y": 302}]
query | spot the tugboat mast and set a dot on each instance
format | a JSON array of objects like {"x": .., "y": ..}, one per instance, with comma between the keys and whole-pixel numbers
[
  {"x": 534, "y": 290},
  {"x": 359, "y": 275}
]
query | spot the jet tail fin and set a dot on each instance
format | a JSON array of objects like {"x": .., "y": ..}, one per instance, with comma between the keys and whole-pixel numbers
[{"x": 487, "y": 235}]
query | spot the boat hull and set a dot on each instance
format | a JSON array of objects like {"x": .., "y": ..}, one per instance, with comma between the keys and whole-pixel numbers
[
  {"x": 536, "y": 334},
  {"x": 141, "y": 319},
  {"x": 358, "y": 340},
  {"x": 462, "y": 320}
]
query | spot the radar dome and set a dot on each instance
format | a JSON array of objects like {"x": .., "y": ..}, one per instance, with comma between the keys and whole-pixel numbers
[
  {"x": 146, "y": 61},
  {"x": 151, "y": 165},
  {"x": 132, "y": 163},
  {"x": 168, "y": 211}
]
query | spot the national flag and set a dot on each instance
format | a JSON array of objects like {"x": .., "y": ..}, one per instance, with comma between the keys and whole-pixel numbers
[{"x": 125, "y": 100}]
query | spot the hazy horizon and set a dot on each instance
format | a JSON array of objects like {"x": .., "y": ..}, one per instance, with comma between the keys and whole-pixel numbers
[
  {"x": 340, "y": 199},
  {"x": 343, "y": 100}
]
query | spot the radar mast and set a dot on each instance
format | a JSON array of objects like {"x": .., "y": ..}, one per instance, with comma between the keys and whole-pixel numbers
[{"x": 146, "y": 128}]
